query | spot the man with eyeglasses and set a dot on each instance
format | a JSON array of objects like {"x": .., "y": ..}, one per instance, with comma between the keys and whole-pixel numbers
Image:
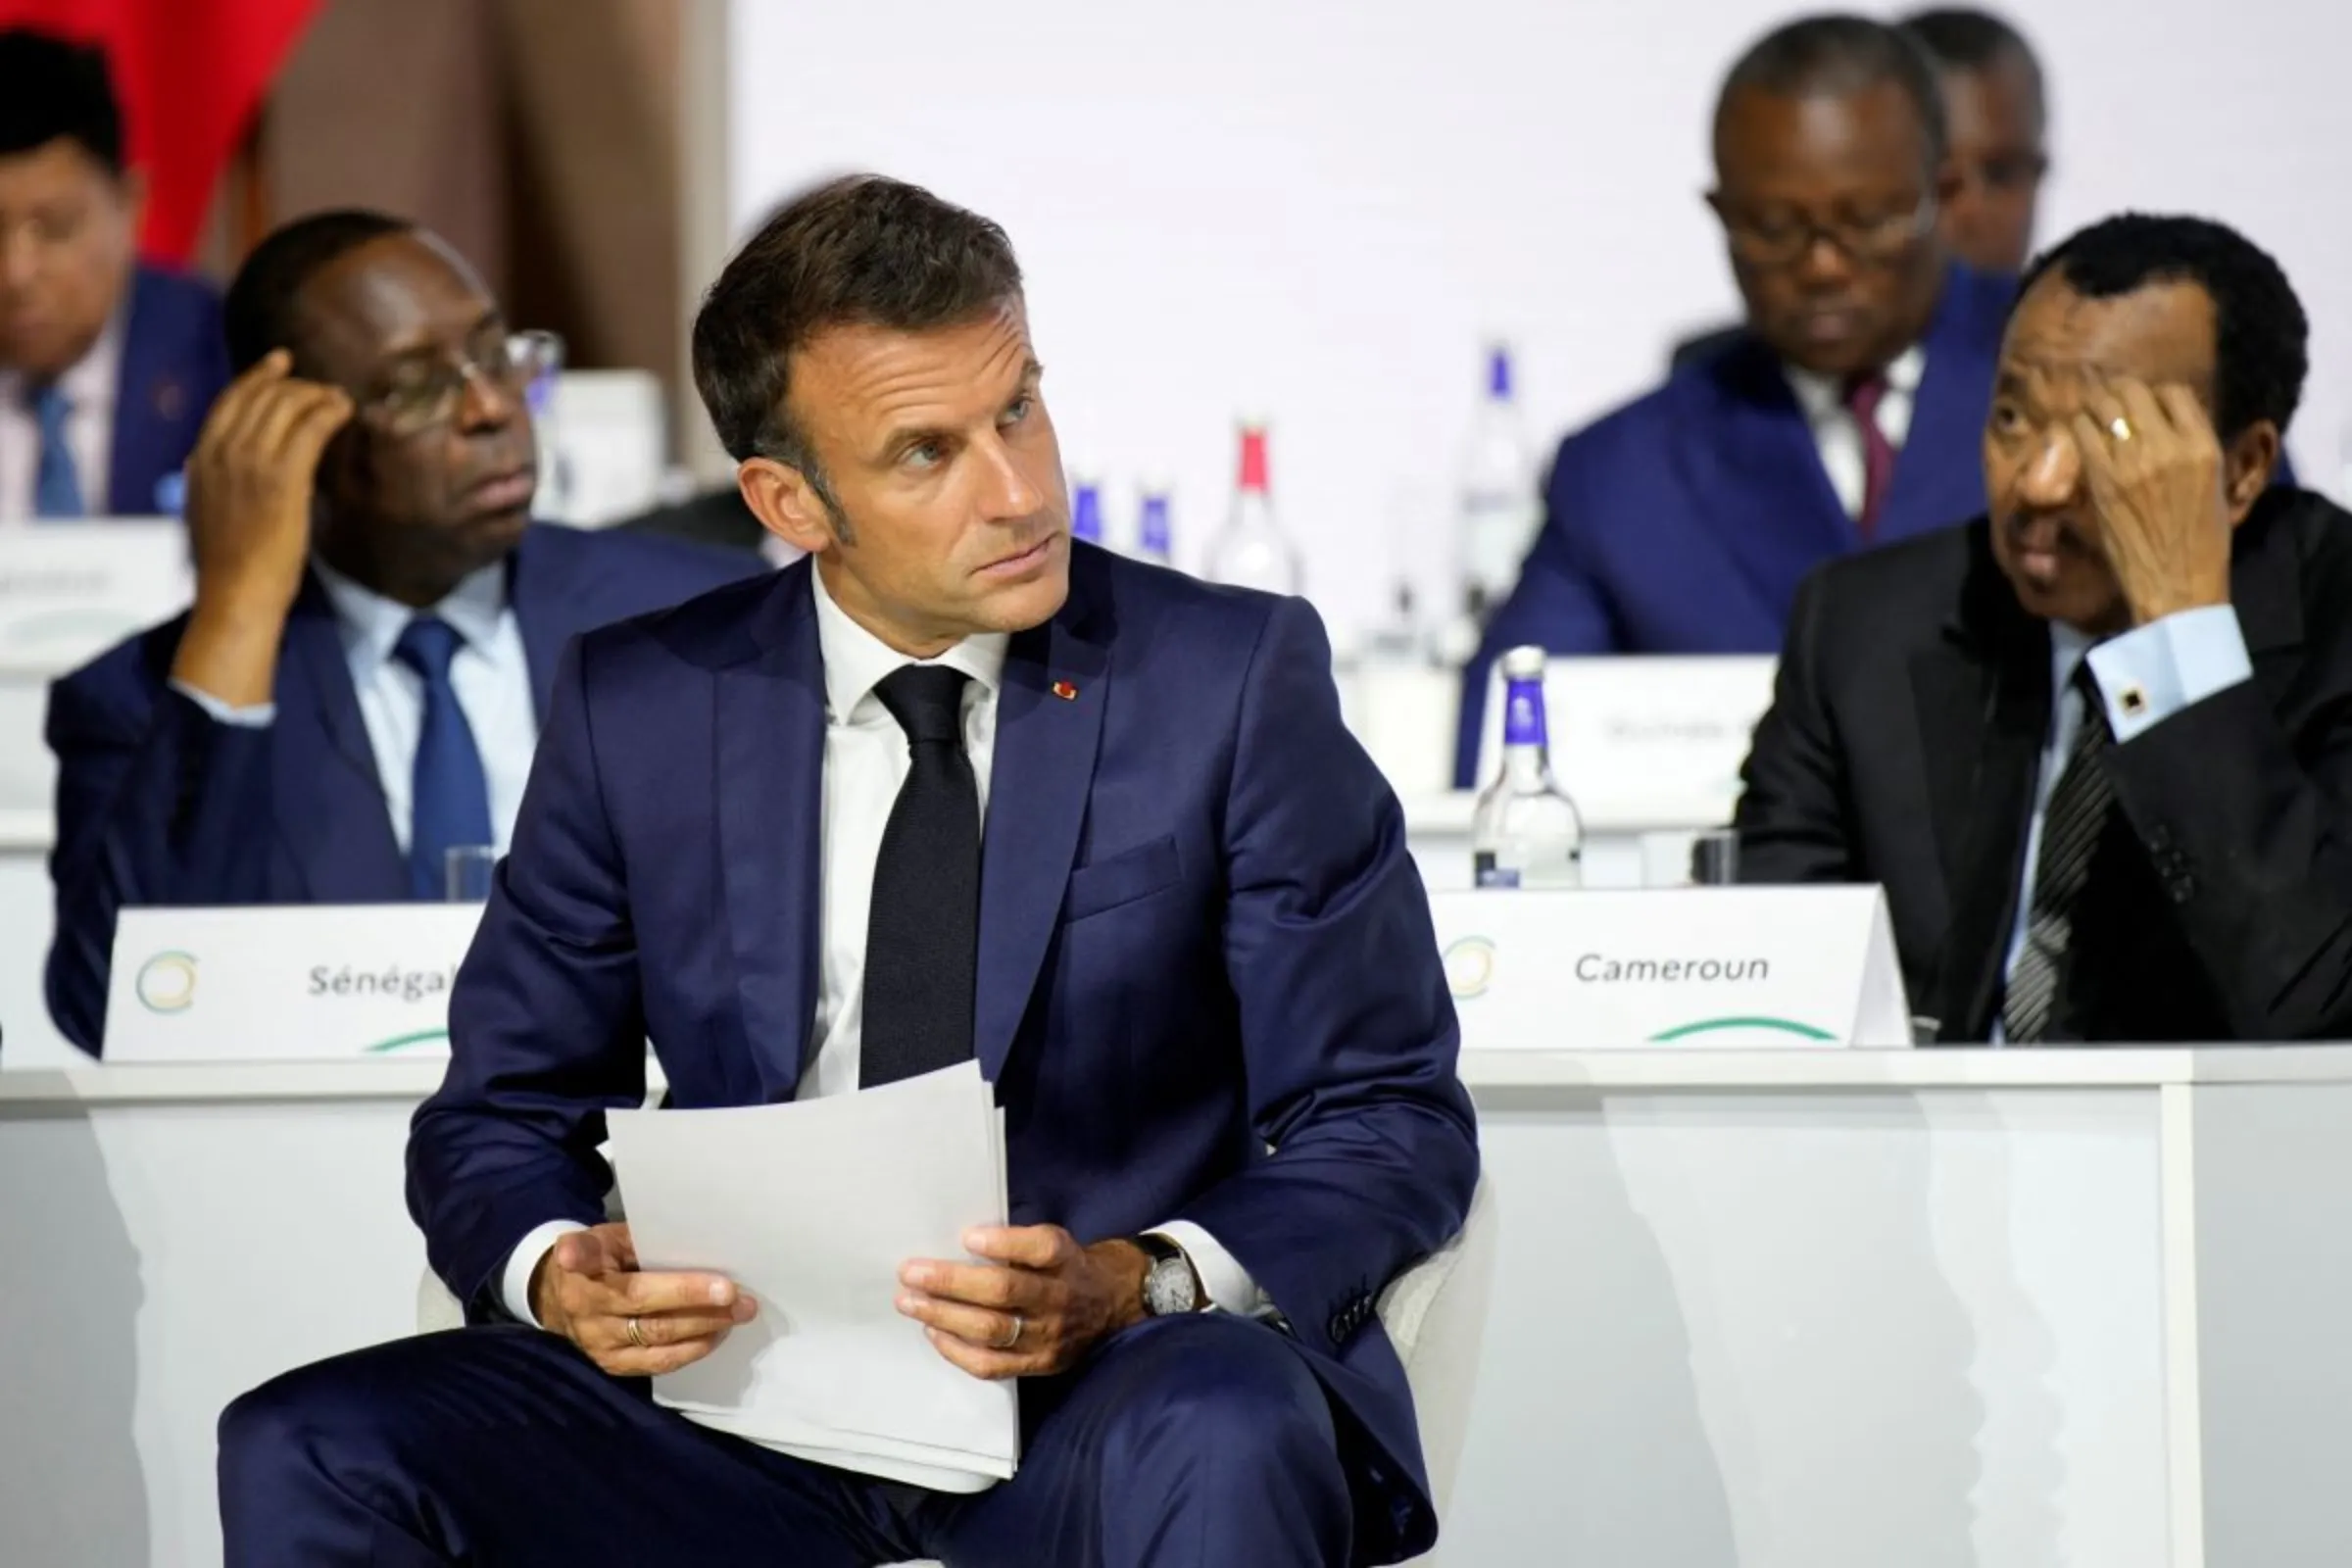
[
  {"x": 357, "y": 688},
  {"x": 107, "y": 366},
  {"x": 1845, "y": 412}
]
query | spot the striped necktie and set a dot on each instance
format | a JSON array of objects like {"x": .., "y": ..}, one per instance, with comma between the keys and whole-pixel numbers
[{"x": 2071, "y": 827}]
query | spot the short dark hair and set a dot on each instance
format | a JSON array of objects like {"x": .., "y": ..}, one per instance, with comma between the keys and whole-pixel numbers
[
  {"x": 263, "y": 309},
  {"x": 2260, "y": 335},
  {"x": 1962, "y": 39},
  {"x": 51, "y": 90},
  {"x": 862, "y": 250},
  {"x": 1838, "y": 54}
]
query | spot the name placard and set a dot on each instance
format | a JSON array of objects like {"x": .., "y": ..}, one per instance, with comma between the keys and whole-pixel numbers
[
  {"x": 1697, "y": 968},
  {"x": 69, "y": 591},
  {"x": 1645, "y": 728},
  {"x": 286, "y": 982}
]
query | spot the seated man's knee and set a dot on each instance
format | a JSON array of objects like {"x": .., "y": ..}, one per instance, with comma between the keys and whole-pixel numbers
[
  {"x": 350, "y": 1409},
  {"x": 1238, "y": 1391}
]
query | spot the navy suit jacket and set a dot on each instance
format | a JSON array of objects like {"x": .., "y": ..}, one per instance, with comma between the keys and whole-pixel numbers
[
  {"x": 174, "y": 364},
  {"x": 1683, "y": 522},
  {"x": 157, "y": 803},
  {"x": 1201, "y": 935}
]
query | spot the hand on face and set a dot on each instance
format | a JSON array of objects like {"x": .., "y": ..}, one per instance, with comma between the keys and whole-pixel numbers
[
  {"x": 250, "y": 483},
  {"x": 2153, "y": 468},
  {"x": 589, "y": 1290},
  {"x": 1035, "y": 1309}
]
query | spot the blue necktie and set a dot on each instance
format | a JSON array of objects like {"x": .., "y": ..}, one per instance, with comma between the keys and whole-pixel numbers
[
  {"x": 55, "y": 484},
  {"x": 451, "y": 804}
]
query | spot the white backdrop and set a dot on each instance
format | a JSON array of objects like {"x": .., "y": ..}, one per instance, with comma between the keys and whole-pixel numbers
[{"x": 1317, "y": 209}]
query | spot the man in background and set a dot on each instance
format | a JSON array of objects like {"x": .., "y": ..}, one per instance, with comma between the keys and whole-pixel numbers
[
  {"x": 2096, "y": 746},
  {"x": 1996, "y": 119},
  {"x": 359, "y": 686},
  {"x": 106, "y": 366},
  {"x": 1845, "y": 412}
]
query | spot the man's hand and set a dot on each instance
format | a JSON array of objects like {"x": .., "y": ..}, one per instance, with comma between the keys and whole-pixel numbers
[
  {"x": 1063, "y": 1299},
  {"x": 250, "y": 483},
  {"x": 588, "y": 1289},
  {"x": 2162, "y": 516}
]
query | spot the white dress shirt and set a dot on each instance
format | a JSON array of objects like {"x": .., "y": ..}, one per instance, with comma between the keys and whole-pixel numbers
[
  {"x": 1837, "y": 438},
  {"x": 866, "y": 760},
  {"x": 490, "y": 675},
  {"x": 2145, "y": 677},
  {"x": 89, "y": 386}
]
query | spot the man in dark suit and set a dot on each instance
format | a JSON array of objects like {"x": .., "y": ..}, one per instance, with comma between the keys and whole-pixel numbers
[
  {"x": 2099, "y": 746},
  {"x": 106, "y": 366},
  {"x": 1996, "y": 113},
  {"x": 1195, "y": 959},
  {"x": 359, "y": 685},
  {"x": 1845, "y": 414}
]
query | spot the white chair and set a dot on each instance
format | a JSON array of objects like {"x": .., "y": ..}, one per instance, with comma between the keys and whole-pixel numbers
[{"x": 1435, "y": 1313}]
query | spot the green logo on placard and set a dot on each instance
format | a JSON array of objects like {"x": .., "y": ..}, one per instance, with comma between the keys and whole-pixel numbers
[
  {"x": 1708, "y": 1026},
  {"x": 422, "y": 1037}
]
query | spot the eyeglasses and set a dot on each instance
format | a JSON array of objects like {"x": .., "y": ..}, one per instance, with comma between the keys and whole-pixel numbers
[
  {"x": 422, "y": 393},
  {"x": 1777, "y": 241}
]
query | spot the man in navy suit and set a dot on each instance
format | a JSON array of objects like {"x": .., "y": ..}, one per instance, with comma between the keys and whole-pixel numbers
[
  {"x": 359, "y": 686},
  {"x": 1845, "y": 412},
  {"x": 1195, "y": 959},
  {"x": 106, "y": 366}
]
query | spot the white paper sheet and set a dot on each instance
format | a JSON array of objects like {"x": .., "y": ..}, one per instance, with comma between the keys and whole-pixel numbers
[{"x": 812, "y": 1206}]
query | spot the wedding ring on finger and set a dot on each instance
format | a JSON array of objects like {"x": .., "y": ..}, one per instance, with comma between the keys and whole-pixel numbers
[
  {"x": 637, "y": 1335},
  {"x": 2120, "y": 429},
  {"x": 1020, "y": 1326}
]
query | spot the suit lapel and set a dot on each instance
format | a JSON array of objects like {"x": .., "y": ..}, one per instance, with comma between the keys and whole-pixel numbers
[
  {"x": 540, "y": 586},
  {"x": 770, "y": 786},
  {"x": 1038, "y": 786},
  {"x": 328, "y": 800},
  {"x": 148, "y": 401},
  {"x": 1755, "y": 472},
  {"x": 1981, "y": 696},
  {"x": 1937, "y": 476}
]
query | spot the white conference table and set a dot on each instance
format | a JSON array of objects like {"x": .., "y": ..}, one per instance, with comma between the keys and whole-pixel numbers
[{"x": 1773, "y": 1310}]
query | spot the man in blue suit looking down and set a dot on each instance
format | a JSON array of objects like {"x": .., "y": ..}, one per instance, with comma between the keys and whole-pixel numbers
[
  {"x": 1845, "y": 412},
  {"x": 953, "y": 788},
  {"x": 107, "y": 366},
  {"x": 358, "y": 689}
]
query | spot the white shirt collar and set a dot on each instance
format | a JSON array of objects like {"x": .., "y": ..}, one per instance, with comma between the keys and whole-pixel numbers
[
  {"x": 856, "y": 661},
  {"x": 372, "y": 624},
  {"x": 1821, "y": 396},
  {"x": 89, "y": 383},
  {"x": 2067, "y": 648}
]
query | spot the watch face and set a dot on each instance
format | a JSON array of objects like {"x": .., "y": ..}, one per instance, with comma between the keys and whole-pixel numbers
[{"x": 1168, "y": 1289}]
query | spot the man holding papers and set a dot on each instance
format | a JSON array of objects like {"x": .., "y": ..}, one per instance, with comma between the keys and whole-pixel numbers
[
  {"x": 2097, "y": 746},
  {"x": 955, "y": 794}
]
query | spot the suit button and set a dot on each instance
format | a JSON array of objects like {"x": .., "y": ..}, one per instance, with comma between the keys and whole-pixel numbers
[
  {"x": 1337, "y": 1327},
  {"x": 2160, "y": 837},
  {"x": 2183, "y": 888}
]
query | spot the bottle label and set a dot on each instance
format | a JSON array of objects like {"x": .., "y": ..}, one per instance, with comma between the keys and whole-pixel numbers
[
  {"x": 1522, "y": 715},
  {"x": 1486, "y": 874}
]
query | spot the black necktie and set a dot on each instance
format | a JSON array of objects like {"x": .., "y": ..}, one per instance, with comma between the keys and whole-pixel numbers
[
  {"x": 2070, "y": 834},
  {"x": 923, "y": 939}
]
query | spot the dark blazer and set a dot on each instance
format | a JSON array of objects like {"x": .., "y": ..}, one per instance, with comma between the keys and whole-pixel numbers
[
  {"x": 1201, "y": 935},
  {"x": 1683, "y": 522},
  {"x": 718, "y": 517},
  {"x": 158, "y": 804},
  {"x": 1902, "y": 747},
  {"x": 174, "y": 364}
]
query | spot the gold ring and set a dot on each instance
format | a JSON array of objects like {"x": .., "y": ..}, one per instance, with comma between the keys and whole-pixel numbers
[
  {"x": 636, "y": 1334},
  {"x": 2120, "y": 429},
  {"x": 1020, "y": 1326}
]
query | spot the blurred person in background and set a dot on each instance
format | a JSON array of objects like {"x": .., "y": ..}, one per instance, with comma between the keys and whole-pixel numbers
[
  {"x": 1845, "y": 412},
  {"x": 359, "y": 687},
  {"x": 1996, "y": 118},
  {"x": 107, "y": 366},
  {"x": 2097, "y": 745}
]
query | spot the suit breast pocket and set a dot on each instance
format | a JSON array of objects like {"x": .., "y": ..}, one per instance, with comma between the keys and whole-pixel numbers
[{"x": 1123, "y": 878}]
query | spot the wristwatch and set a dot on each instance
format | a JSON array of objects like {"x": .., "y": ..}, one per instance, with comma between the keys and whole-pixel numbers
[{"x": 1171, "y": 1286}]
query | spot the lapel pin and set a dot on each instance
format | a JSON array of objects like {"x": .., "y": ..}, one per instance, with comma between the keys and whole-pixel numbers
[
  {"x": 170, "y": 399},
  {"x": 1065, "y": 691}
]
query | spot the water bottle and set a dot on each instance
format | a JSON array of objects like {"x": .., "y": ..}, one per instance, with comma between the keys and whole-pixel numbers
[
  {"x": 1498, "y": 512},
  {"x": 1086, "y": 513},
  {"x": 1251, "y": 552},
  {"x": 1154, "y": 540},
  {"x": 1526, "y": 832}
]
